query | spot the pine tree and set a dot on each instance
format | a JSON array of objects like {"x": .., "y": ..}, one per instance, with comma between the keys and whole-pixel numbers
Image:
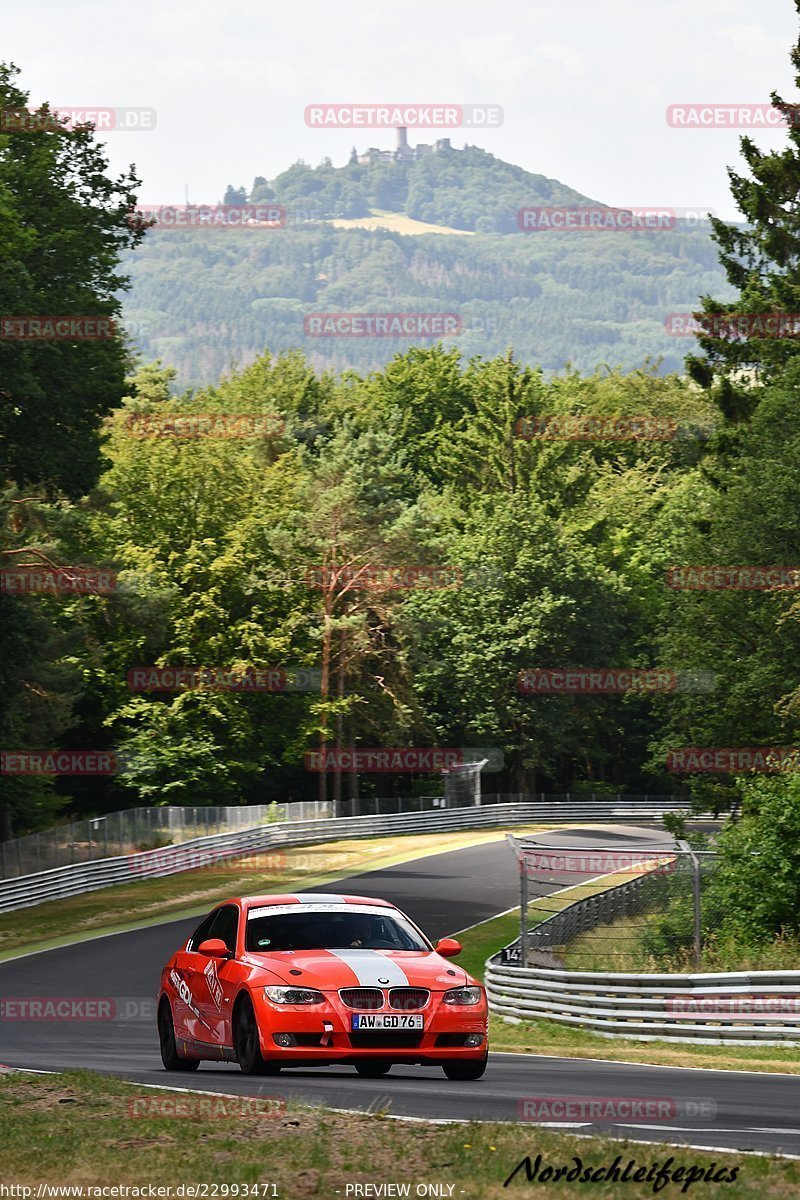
[{"x": 762, "y": 260}]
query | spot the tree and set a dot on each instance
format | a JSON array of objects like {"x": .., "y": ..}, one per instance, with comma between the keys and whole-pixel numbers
[
  {"x": 64, "y": 224},
  {"x": 237, "y": 197},
  {"x": 762, "y": 261}
]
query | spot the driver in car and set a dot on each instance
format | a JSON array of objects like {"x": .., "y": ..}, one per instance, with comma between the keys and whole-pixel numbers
[{"x": 361, "y": 932}]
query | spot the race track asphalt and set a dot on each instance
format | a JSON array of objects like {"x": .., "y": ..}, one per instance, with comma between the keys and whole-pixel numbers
[{"x": 443, "y": 893}]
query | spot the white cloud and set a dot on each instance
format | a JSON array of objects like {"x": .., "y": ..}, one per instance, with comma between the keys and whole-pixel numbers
[
  {"x": 565, "y": 56},
  {"x": 753, "y": 42}
]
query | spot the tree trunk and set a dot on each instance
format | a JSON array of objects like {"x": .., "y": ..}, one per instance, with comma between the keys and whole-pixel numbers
[{"x": 340, "y": 670}]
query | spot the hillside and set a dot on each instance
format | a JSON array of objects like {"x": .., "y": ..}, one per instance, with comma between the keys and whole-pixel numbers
[
  {"x": 359, "y": 238},
  {"x": 466, "y": 189},
  {"x": 202, "y": 300}
]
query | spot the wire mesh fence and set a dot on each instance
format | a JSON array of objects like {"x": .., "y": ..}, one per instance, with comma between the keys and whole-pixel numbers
[
  {"x": 644, "y": 908},
  {"x": 134, "y": 829}
]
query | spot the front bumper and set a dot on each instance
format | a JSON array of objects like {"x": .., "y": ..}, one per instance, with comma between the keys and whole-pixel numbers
[{"x": 322, "y": 1033}]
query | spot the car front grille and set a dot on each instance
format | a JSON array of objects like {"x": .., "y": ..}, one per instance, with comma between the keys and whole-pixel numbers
[
  {"x": 364, "y": 998},
  {"x": 408, "y": 999}
]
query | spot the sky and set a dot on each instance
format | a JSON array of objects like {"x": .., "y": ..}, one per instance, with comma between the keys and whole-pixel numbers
[{"x": 584, "y": 87}]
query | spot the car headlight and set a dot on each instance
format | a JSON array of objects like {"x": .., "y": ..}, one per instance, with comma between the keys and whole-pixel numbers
[
  {"x": 463, "y": 995},
  {"x": 294, "y": 995}
]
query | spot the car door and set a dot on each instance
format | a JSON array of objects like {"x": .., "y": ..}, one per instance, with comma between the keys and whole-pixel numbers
[
  {"x": 216, "y": 987},
  {"x": 187, "y": 1014}
]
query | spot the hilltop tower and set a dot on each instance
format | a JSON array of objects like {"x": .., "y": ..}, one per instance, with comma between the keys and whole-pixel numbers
[{"x": 402, "y": 138}]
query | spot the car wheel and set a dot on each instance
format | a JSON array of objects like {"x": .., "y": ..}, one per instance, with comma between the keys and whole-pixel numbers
[
  {"x": 248, "y": 1050},
  {"x": 466, "y": 1070},
  {"x": 169, "y": 1051},
  {"x": 373, "y": 1068}
]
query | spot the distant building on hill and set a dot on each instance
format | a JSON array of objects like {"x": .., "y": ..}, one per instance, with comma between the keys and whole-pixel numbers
[{"x": 402, "y": 152}]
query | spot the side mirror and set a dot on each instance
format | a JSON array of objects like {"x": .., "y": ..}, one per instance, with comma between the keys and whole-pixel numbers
[
  {"x": 214, "y": 948},
  {"x": 448, "y": 947}
]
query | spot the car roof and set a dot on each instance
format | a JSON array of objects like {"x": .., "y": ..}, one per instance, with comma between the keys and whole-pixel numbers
[{"x": 300, "y": 898}]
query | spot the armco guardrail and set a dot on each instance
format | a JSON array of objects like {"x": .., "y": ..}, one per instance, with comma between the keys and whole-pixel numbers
[
  {"x": 748, "y": 1007},
  {"x": 28, "y": 890},
  {"x": 123, "y": 832}
]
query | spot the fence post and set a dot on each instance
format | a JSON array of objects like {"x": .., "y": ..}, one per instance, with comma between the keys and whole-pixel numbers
[
  {"x": 523, "y": 912},
  {"x": 696, "y": 903}
]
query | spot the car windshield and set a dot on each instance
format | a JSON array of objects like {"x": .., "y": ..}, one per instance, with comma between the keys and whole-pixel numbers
[{"x": 308, "y": 930}]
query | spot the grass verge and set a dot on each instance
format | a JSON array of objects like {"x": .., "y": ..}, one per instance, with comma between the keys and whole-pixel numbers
[
  {"x": 619, "y": 946},
  {"x": 78, "y": 1129},
  {"x": 548, "y": 1037}
]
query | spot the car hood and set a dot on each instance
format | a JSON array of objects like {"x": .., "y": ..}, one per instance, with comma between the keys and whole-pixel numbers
[{"x": 333, "y": 969}]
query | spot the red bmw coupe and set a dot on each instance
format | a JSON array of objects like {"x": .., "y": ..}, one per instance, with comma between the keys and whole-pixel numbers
[{"x": 309, "y": 979}]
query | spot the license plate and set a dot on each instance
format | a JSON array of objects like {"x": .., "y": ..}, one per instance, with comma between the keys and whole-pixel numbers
[{"x": 385, "y": 1021}]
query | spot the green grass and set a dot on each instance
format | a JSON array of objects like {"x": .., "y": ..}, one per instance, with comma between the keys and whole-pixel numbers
[
  {"x": 481, "y": 941},
  {"x": 619, "y": 947},
  {"x": 78, "y": 1129}
]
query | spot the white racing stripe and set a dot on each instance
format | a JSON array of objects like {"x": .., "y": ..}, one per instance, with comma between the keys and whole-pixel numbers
[
  {"x": 373, "y": 969},
  {"x": 319, "y": 898}
]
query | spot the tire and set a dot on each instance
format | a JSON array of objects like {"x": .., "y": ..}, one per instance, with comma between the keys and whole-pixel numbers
[
  {"x": 248, "y": 1050},
  {"x": 473, "y": 1069},
  {"x": 373, "y": 1068},
  {"x": 170, "y": 1057}
]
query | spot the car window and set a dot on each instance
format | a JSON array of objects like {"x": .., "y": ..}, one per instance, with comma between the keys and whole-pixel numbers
[
  {"x": 224, "y": 926},
  {"x": 201, "y": 933},
  {"x": 308, "y": 930}
]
